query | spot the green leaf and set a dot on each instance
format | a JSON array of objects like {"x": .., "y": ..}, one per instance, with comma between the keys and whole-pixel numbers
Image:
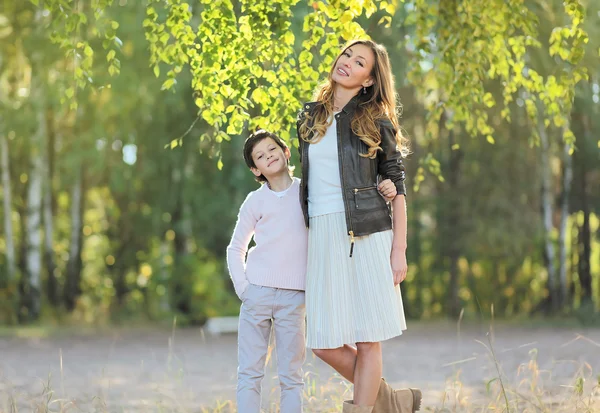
[
  {"x": 490, "y": 139},
  {"x": 156, "y": 70},
  {"x": 385, "y": 21},
  {"x": 259, "y": 96},
  {"x": 168, "y": 84},
  {"x": 110, "y": 55},
  {"x": 114, "y": 25},
  {"x": 232, "y": 130},
  {"x": 273, "y": 92},
  {"x": 346, "y": 17},
  {"x": 164, "y": 38},
  {"x": 289, "y": 38}
]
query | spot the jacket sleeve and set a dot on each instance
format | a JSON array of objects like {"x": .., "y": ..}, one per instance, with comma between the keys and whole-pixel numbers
[
  {"x": 299, "y": 120},
  {"x": 389, "y": 159}
]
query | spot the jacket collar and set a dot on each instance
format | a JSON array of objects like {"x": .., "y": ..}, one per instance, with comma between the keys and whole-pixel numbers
[
  {"x": 351, "y": 106},
  {"x": 348, "y": 109},
  {"x": 310, "y": 105}
]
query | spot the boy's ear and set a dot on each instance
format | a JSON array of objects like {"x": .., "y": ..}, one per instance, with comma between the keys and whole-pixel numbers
[
  {"x": 287, "y": 153},
  {"x": 256, "y": 172}
]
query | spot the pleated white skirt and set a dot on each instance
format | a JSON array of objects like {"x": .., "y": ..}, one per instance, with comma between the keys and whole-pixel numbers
[{"x": 349, "y": 300}]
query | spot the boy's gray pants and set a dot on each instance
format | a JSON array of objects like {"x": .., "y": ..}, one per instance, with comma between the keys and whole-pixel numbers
[{"x": 285, "y": 310}]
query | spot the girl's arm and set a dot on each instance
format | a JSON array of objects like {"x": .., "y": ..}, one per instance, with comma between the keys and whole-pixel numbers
[
  {"x": 391, "y": 167},
  {"x": 398, "y": 255}
]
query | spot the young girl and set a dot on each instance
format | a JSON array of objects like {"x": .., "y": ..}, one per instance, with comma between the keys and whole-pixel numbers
[
  {"x": 349, "y": 137},
  {"x": 270, "y": 281}
]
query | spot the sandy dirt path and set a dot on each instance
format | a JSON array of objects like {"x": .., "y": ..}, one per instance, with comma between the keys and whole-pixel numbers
[{"x": 153, "y": 370}]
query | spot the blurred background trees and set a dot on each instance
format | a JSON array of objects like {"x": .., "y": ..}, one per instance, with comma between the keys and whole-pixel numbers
[{"x": 121, "y": 126}]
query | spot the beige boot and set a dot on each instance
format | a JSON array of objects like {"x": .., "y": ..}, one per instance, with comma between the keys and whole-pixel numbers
[
  {"x": 350, "y": 407},
  {"x": 396, "y": 401}
]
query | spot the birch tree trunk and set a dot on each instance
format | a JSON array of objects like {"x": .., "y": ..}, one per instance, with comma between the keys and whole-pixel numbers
[
  {"x": 7, "y": 198},
  {"x": 33, "y": 227}
]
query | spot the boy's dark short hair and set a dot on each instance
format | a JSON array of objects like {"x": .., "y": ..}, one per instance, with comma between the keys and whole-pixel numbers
[{"x": 253, "y": 140}]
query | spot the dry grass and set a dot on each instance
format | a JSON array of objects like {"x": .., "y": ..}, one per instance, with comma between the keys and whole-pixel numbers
[
  {"x": 533, "y": 394},
  {"x": 529, "y": 389}
]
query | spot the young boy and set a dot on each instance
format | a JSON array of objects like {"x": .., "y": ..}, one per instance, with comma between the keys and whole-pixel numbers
[{"x": 270, "y": 282}]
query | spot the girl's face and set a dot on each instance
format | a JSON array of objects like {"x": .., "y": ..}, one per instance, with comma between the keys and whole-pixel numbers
[{"x": 353, "y": 68}]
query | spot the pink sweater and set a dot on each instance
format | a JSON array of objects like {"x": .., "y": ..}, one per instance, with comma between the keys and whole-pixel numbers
[{"x": 279, "y": 257}]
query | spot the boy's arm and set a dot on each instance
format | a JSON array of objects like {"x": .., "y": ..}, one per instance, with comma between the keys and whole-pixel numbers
[{"x": 238, "y": 247}]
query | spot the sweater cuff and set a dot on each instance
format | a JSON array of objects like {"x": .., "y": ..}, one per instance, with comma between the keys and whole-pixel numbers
[{"x": 241, "y": 288}]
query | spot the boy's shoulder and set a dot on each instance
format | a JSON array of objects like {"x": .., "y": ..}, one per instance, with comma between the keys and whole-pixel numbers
[
  {"x": 262, "y": 191},
  {"x": 255, "y": 194}
]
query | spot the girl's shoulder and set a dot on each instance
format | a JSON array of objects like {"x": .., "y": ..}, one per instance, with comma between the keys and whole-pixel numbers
[
  {"x": 384, "y": 122},
  {"x": 307, "y": 107}
]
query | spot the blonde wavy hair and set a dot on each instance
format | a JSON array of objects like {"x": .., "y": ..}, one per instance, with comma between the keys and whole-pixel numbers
[{"x": 377, "y": 104}]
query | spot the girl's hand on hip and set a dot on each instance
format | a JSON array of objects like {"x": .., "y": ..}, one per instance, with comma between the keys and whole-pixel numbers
[
  {"x": 399, "y": 265},
  {"x": 387, "y": 189}
]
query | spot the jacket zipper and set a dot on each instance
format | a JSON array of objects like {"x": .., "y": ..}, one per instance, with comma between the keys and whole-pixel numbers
[
  {"x": 347, "y": 210},
  {"x": 357, "y": 190}
]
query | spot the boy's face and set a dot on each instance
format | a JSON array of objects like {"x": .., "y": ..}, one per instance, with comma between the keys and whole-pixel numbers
[{"x": 270, "y": 159}]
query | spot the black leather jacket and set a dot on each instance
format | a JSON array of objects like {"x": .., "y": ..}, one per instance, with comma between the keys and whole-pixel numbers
[{"x": 366, "y": 210}]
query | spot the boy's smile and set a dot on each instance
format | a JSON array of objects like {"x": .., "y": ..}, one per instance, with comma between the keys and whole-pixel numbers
[{"x": 270, "y": 159}]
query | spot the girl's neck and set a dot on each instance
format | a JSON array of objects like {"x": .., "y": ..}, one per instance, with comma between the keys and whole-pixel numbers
[
  {"x": 280, "y": 183},
  {"x": 341, "y": 96}
]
